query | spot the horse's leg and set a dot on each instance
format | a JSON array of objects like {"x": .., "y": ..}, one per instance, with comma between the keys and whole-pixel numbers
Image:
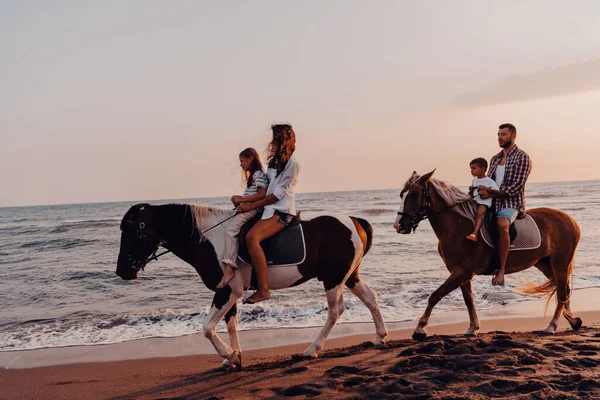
[
  {"x": 546, "y": 268},
  {"x": 467, "y": 292},
  {"x": 335, "y": 305},
  {"x": 561, "y": 267},
  {"x": 369, "y": 298},
  {"x": 231, "y": 319},
  {"x": 456, "y": 279},
  {"x": 223, "y": 300}
]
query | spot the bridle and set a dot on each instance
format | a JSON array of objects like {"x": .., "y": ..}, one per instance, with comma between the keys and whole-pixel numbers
[
  {"x": 425, "y": 208},
  {"x": 421, "y": 213},
  {"x": 142, "y": 234}
]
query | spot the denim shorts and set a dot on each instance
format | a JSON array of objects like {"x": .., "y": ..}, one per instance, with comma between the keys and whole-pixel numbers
[
  {"x": 285, "y": 218},
  {"x": 508, "y": 213}
]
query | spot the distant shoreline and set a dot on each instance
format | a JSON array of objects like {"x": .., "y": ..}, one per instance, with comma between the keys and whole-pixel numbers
[{"x": 225, "y": 196}]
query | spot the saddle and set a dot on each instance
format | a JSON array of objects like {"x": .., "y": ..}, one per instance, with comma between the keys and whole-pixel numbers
[
  {"x": 286, "y": 248},
  {"x": 524, "y": 235}
]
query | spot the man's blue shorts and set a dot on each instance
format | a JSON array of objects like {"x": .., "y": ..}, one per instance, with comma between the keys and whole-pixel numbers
[{"x": 508, "y": 213}]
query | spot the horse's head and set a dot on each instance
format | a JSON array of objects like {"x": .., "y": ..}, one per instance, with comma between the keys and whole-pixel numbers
[
  {"x": 415, "y": 198},
  {"x": 138, "y": 241}
]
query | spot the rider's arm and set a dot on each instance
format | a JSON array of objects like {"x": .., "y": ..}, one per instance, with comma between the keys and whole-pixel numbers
[
  {"x": 287, "y": 179},
  {"x": 270, "y": 199},
  {"x": 494, "y": 192},
  {"x": 259, "y": 195}
]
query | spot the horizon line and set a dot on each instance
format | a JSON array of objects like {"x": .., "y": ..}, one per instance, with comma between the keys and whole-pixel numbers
[{"x": 215, "y": 197}]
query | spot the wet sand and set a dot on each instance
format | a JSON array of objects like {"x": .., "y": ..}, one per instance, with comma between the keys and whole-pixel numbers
[{"x": 506, "y": 360}]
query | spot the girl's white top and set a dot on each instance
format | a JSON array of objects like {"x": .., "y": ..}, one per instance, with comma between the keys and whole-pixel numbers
[{"x": 282, "y": 186}]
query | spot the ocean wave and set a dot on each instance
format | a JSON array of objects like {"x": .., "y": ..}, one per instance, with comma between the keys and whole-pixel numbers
[
  {"x": 62, "y": 244},
  {"x": 105, "y": 329},
  {"x": 19, "y": 230},
  {"x": 377, "y": 211},
  {"x": 385, "y": 203},
  {"x": 544, "y": 196},
  {"x": 85, "y": 224},
  {"x": 79, "y": 275}
]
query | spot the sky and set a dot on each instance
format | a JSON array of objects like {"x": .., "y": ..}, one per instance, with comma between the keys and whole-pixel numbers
[{"x": 142, "y": 100}]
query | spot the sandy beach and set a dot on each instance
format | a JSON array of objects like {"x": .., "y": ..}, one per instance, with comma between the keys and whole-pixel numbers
[{"x": 507, "y": 359}]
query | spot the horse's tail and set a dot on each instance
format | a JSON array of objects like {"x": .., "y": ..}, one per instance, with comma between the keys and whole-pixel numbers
[
  {"x": 549, "y": 288},
  {"x": 368, "y": 230}
]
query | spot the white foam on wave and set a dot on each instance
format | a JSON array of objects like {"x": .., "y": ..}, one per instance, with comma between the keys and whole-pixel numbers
[{"x": 406, "y": 302}]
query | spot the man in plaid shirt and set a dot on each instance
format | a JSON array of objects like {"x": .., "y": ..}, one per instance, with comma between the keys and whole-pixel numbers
[{"x": 510, "y": 169}]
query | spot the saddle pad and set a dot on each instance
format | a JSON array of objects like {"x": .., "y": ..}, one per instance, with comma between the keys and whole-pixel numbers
[
  {"x": 287, "y": 248},
  {"x": 528, "y": 235}
]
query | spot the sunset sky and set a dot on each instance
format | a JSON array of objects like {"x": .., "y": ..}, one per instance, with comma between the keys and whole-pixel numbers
[{"x": 141, "y": 100}]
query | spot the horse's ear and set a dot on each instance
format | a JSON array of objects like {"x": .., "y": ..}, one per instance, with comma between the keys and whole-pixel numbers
[
  {"x": 426, "y": 177},
  {"x": 414, "y": 173}
]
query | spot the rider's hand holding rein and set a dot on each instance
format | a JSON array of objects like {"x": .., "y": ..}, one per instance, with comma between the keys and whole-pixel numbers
[
  {"x": 243, "y": 208},
  {"x": 236, "y": 200}
]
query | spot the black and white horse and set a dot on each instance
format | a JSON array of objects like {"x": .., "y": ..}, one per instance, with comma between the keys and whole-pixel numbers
[{"x": 335, "y": 245}]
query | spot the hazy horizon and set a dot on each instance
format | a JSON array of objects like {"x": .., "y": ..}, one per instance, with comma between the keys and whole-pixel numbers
[
  {"x": 115, "y": 101},
  {"x": 136, "y": 201}
]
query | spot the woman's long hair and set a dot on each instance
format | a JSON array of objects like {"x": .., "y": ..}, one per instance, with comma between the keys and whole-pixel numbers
[
  {"x": 282, "y": 146},
  {"x": 255, "y": 165}
]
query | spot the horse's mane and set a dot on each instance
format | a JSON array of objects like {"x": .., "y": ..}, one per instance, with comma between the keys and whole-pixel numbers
[
  {"x": 452, "y": 195},
  {"x": 205, "y": 217}
]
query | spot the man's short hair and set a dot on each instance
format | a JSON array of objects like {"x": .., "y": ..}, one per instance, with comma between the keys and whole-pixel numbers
[
  {"x": 481, "y": 162},
  {"x": 511, "y": 128}
]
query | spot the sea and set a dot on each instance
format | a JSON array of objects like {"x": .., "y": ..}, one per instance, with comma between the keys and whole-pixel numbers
[{"x": 58, "y": 285}]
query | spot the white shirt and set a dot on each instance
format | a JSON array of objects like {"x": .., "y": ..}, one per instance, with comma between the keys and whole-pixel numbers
[
  {"x": 282, "y": 186},
  {"x": 259, "y": 180},
  {"x": 488, "y": 183},
  {"x": 499, "y": 174}
]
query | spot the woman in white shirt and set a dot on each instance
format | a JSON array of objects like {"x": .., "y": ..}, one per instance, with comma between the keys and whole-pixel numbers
[{"x": 279, "y": 203}]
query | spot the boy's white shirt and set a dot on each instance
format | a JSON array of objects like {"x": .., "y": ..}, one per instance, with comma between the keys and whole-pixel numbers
[{"x": 486, "y": 182}]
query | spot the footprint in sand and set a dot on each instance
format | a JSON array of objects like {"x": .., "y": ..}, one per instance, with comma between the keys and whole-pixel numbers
[
  {"x": 295, "y": 370},
  {"x": 300, "y": 390}
]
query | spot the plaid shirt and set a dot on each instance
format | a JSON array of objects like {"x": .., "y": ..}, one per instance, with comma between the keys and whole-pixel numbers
[{"x": 518, "y": 167}]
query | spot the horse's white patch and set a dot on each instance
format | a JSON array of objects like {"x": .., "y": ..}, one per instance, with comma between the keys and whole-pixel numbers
[
  {"x": 283, "y": 277},
  {"x": 400, "y": 210},
  {"x": 279, "y": 277},
  {"x": 211, "y": 219}
]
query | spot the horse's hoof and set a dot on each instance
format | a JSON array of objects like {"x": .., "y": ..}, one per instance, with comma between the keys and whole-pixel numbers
[
  {"x": 578, "y": 324},
  {"x": 310, "y": 354},
  {"x": 419, "y": 337},
  {"x": 226, "y": 366},
  {"x": 235, "y": 361}
]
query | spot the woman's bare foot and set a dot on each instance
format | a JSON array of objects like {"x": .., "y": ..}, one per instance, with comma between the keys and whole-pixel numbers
[
  {"x": 257, "y": 297},
  {"x": 228, "y": 275},
  {"x": 472, "y": 237}
]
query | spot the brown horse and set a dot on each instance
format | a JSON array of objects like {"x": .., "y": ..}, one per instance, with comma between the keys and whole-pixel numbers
[{"x": 451, "y": 214}]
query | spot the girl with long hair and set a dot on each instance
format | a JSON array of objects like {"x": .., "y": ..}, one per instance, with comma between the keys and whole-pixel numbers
[{"x": 256, "y": 187}]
